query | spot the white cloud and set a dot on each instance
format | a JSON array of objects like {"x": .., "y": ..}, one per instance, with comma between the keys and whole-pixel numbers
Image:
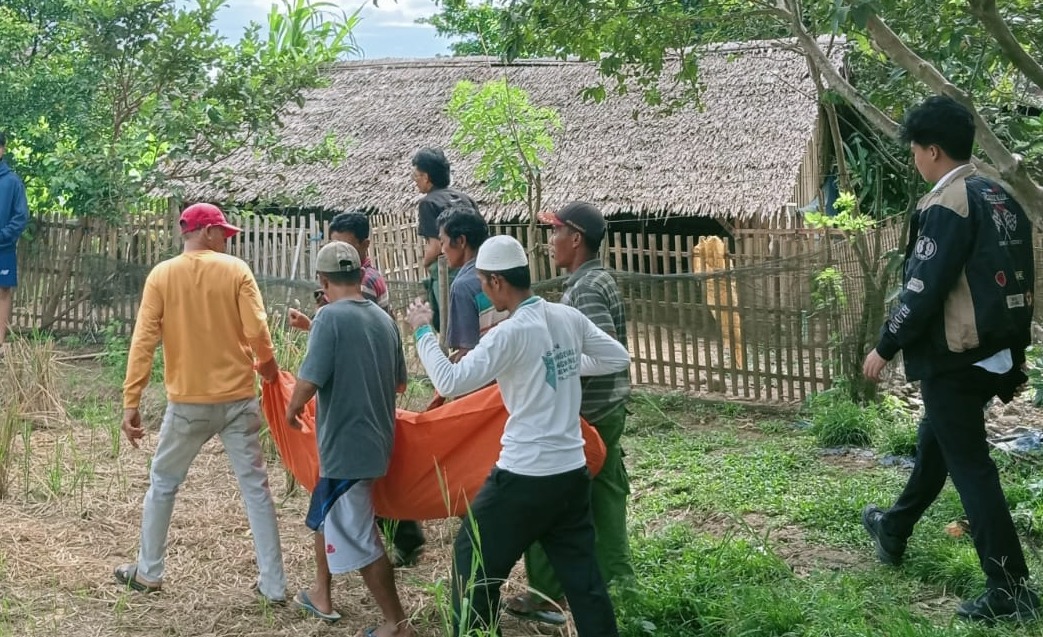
[{"x": 386, "y": 30}]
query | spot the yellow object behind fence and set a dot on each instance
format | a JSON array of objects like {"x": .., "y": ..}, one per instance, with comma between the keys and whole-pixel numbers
[{"x": 721, "y": 295}]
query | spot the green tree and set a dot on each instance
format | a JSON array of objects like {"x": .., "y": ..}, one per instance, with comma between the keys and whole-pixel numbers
[
  {"x": 968, "y": 49},
  {"x": 511, "y": 136},
  {"x": 110, "y": 101},
  {"x": 475, "y": 28}
]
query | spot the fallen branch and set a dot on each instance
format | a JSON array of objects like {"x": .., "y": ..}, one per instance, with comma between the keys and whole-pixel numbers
[{"x": 81, "y": 357}]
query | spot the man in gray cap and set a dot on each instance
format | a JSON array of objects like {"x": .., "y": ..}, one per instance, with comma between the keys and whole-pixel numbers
[{"x": 355, "y": 364}]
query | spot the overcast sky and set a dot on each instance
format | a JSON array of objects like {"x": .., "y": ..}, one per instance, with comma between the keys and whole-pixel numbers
[{"x": 388, "y": 30}]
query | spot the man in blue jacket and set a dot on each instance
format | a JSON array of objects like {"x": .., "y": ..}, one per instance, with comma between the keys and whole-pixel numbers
[
  {"x": 962, "y": 323},
  {"x": 14, "y": 215}
]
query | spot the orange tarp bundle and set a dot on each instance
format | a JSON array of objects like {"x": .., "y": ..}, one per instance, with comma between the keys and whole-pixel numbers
[{"x": 440, "y": 459}]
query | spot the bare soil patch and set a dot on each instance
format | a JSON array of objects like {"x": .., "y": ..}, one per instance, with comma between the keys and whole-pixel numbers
[
  {"x": 73, "y": 513},
  {"x": 788, "y": 541}
]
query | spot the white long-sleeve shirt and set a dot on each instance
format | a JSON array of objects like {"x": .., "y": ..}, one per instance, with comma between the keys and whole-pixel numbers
[{"x": 537, "y": 357}]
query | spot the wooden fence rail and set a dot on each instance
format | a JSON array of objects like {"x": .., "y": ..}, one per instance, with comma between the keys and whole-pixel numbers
[{"x": 783, "y": 352}]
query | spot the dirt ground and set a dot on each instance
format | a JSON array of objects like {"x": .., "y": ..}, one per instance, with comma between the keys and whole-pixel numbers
[{"x": 78, "y": 514}]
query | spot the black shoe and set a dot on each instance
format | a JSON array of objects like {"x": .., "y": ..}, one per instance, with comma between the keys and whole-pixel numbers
[
  {"x": 889, "y": 549},
  {"x": 402, "y": 559},
  {"x": 999, "y": 604}
]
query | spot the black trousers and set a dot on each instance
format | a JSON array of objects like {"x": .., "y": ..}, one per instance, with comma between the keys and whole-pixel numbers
[
  {"x": 951, "y": 440},
  {"x": 510, "y": 513},
  {"x": 405, "y": 535}
]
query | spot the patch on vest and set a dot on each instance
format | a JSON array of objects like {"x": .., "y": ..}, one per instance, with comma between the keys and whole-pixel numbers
[
  {"x": 1015, "y": 300},
  {"x": 914, "y": 285},
  {"x": 925, "y": 249}
]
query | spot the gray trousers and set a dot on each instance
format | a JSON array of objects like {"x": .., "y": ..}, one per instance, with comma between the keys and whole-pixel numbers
[{"x": 184, "y": 430}]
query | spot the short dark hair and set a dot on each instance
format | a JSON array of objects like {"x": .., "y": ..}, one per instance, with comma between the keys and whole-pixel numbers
[
  {"x": 433, "y": 162},
  {"x": 593, "y": 243},
  {"x": 941, "y": 121},
  {"x": 354, "y": 222},
  {"x": 519, "y": 277},
  {"x": 462, "y": 220},
  {"x": 344, "y": 278}
]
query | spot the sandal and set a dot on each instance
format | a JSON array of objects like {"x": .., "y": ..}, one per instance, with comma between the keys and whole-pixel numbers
[
  {"x": 127, "y": 575},
  {"x": 303, "y": 602},
  {"x": 535, "y": 609}
]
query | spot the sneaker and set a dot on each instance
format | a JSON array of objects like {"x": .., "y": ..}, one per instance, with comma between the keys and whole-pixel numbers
[
  {"x": 889, "y": 549},
  {"x": 999, "y": 604},
  {"x": 533, "y": 608}
]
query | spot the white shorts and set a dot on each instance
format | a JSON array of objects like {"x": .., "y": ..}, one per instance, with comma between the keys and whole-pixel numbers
[{"x": 350, "y": 527}]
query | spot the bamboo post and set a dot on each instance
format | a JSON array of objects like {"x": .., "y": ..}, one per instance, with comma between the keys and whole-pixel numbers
[
  {"x": 443, "y": 299},
  {"x": 296, "y": 263}
]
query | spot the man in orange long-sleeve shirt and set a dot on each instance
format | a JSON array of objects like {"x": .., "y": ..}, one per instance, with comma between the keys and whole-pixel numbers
[{"x": 206, "y": 308}]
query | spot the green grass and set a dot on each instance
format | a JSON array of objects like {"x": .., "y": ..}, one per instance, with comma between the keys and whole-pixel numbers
[{"x": 696, "y": 471}]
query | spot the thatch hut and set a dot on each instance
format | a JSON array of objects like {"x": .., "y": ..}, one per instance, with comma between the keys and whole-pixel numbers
[{"x": 750, "y": 155}]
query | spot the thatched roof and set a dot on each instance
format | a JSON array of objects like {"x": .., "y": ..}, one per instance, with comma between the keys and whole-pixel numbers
[{"x": 738, "y": 155}]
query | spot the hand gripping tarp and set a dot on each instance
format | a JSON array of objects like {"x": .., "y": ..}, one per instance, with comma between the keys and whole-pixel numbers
[{"x": 440, "y": 459}]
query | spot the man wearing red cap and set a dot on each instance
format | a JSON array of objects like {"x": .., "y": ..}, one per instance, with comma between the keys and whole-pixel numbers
[{"x": 206, "y": 308}]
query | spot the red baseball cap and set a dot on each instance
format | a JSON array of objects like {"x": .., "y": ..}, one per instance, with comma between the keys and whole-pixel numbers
[{"x": 203, "y": 215}]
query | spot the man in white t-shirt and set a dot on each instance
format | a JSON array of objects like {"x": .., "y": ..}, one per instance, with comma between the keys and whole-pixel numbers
[{"x": 539, "y": 489}]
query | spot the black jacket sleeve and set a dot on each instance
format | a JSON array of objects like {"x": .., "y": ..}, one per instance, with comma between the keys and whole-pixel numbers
[{"x": 938, "y": 256}]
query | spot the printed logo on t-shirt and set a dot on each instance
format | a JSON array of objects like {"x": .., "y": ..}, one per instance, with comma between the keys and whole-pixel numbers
[
  {"x": 551, "y": 375},
  {"x": 561, "y": 364}
]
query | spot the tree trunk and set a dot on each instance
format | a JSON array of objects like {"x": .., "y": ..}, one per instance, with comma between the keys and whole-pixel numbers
[
  {"x": 49, "y": 315},
  {"x": 1011, "y": 169}
]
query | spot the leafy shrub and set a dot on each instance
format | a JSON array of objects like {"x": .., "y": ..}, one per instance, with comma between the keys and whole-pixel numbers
[
  {"x": 843, "y": 424},
  {"x": 898, "y": 429},
  {"x": 897, "y": 439},
  {"x": 838, "y": 421},
  {"x": 1034, "y": 358}
]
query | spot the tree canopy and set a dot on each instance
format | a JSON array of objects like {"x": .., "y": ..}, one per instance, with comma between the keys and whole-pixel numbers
[
  {"x": 107, "y": 100},
  {"x": 899, "y": 51}
]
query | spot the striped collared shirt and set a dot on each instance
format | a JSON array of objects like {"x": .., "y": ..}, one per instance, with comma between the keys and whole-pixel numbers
[{"x": 592, "y": 290}]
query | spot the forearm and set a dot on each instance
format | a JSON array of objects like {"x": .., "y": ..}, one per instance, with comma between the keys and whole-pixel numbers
[
  {"x": 448, "y": 378},
  {"x": 602, "y": 354},
  {"x": 139, "y": 368},
  {"x": 303, "y": 391},
  {"x": 19, "y": 220},
  {"x": 262, "y": 348},
  {"x": 255, "y": 321}
]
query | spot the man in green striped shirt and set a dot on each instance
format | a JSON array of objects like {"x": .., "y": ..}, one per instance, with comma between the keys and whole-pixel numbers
[{"x": 579, "y": 228}]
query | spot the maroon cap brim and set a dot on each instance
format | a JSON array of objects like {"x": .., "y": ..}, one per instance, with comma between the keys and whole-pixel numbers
[
  {"x": 549, "y": 218},
  {"x": 230, "y": 230}
]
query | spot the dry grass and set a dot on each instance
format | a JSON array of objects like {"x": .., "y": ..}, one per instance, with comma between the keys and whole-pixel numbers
[
  {"x": 60, "y": 538},
  {"x": 29, "y": 378}
]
